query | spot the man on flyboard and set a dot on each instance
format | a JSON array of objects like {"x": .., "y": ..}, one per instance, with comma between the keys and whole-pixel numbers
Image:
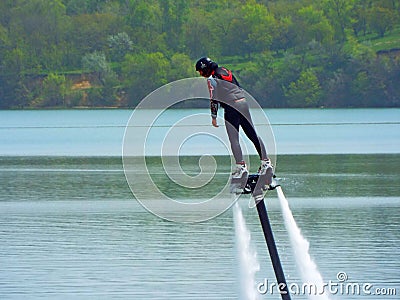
[{"x": 225, "y": 91}]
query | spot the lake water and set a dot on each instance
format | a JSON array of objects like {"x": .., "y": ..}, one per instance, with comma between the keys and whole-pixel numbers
[
  {"x": 71, "y": 229},
  {"x": 101, "y": 132}
]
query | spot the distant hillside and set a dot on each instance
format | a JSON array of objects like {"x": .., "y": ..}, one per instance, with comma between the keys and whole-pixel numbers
[{"x": 91, "y": 53}]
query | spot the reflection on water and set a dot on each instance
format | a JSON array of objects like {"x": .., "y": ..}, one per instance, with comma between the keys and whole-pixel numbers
[
  {"x": 70, "y": 229},
  {"x": 88, "y": 178}
]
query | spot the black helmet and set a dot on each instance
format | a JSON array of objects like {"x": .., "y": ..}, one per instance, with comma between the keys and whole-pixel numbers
[{"x": 206, "y": 65}]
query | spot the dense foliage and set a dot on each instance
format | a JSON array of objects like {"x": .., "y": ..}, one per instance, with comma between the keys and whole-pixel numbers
[{"x": 287, "y": 53}]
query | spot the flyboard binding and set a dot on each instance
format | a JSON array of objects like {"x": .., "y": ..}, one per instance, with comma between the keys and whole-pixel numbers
[
  {"x": 252, "y": 181},
  {"x": 255, "y": 184}
]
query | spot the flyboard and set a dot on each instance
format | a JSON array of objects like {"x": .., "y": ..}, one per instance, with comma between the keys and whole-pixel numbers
[{"x": 257, "y": 185}]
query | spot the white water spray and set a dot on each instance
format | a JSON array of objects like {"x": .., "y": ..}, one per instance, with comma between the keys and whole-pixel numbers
[
  {"x": 247, "y": 257},
  {"x": 307, "y": 267}
]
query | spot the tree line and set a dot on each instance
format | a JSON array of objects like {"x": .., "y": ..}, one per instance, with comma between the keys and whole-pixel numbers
[{"x": 286, "y": 53}]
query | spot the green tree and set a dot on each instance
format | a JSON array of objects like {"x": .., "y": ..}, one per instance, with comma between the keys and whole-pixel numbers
[
  {"x": 78, "y": 7},
  {"x": 5, "y": 12},
  {"x": 260, "y": 78},
  {"x": 313, "y": 25},
  {"x": 259, "y": 25},
  {"x": 97, "y": 64},
  {"x": 109, "y": 91},
  {"x": 38, "y": 29},
  {"x": 143, "y": 73},
  {"x": 360, "y": 15},
  {"x": 283, "y": 37},
  {"x": 306, "y": 91},
  {"x": 199, "y": 37},
  {"x": 376, "y": 84},
  {"x": 358, "y": 51},
  {"x": 225, "y": 28},
  {"x": 340, "y": 14},
  {"x": 174, "y": 16},
  {"x": 119, "y": 45},
  {"x": 5, "y": 43},
  {"x": 181, "y": 66},
  {"x": 143, "y": 18},
  {"x": 381, "y": 20},
  {"x": 89, "y": 33},
  {"x": 105, "y": 94},
  {"x": 54, "y": 91},
  {"x": 12, "y": 88}
]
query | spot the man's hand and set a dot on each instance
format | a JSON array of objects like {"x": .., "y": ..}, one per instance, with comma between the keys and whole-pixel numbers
[{"x": 214, "y": 122}]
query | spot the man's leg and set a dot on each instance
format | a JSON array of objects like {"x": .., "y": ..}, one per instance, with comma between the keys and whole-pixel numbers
[
  {"x": 232, "y": 122},
  {"x": 240, "y": 173},
  {"x": 249, "y": 130}
]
